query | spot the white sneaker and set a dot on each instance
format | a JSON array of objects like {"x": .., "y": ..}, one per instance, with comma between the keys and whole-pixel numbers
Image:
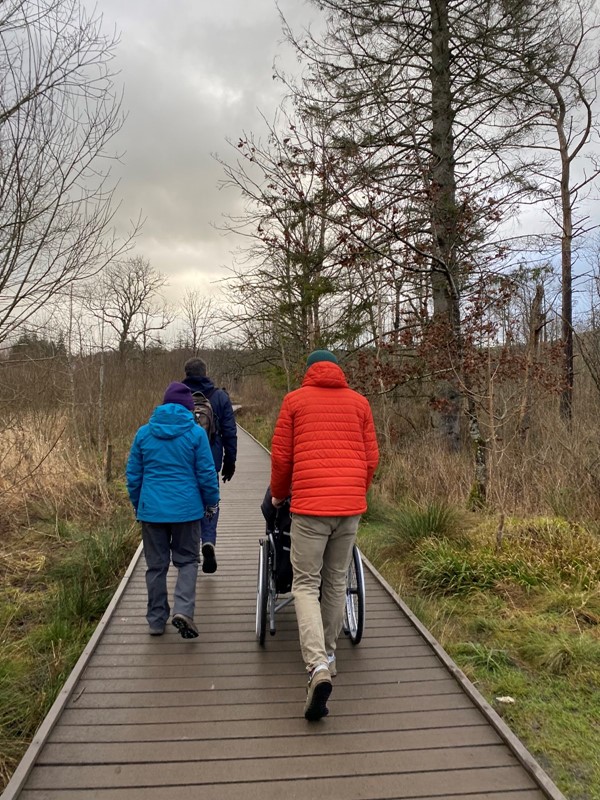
[
  {"x": 332, "y": 664},
  {"x": 317, "y": 693}
]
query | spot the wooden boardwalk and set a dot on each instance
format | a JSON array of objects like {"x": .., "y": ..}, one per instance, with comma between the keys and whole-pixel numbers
[{"x": 219, "y": 718}]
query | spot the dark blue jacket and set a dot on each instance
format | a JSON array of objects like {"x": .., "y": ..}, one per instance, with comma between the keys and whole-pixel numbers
[
  {"x": 225, "y": 442},
  {"x": 170, "y": 472}
]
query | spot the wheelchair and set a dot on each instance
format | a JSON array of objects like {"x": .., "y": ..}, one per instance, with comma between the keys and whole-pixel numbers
[{"x": 274, "y": 585}]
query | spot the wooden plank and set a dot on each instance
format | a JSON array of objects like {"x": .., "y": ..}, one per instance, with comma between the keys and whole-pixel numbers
[
  {"x": 359, "y": 658},
  {"x": 296, "y": 746},
  {"x": 213, "y": 772},
  {"x": 168, "y": 697},
  {"x": 367, "y": 787},
  {"x": 172, "y": 643},
  {"x": 291, "y": 726},
  {"x": 202, "y": 793},
  {"x": 272, "y": 669},
  {"x": 255, "y": 711},
  {"x": 247, "y": 636},
  {"x": 263, "y": 682}
]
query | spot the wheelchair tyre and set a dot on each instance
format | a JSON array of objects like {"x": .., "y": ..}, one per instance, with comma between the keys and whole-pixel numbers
[
  {"x": 354, "y": 612},
  {"x": 262, "y": 590}
]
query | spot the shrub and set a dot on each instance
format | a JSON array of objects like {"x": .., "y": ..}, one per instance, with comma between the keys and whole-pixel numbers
[{"x": 413, "y": 523}]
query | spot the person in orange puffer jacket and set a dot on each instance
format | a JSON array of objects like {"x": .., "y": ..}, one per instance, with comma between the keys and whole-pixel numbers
[{"x": 324, "y": 453}]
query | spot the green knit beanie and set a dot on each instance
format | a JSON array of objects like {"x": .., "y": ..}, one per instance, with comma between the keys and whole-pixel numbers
[{"x": 320, "y": 355}]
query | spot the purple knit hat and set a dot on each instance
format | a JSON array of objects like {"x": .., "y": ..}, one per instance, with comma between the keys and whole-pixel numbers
[{"x": 179, "y": 393}]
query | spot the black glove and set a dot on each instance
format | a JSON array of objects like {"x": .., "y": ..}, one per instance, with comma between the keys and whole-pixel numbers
[
  {"x": 228, "y": 470},
  {"x": 210, "y": 511}
]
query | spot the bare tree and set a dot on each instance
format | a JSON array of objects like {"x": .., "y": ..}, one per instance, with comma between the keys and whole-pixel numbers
[
  {"x": 298, "y": 275},
  {"x": 129, "y": 302},
  {"x": 198, "y": 316},
  {"x": 58, "y": 114},
  {"x": 564, "y": 70}
]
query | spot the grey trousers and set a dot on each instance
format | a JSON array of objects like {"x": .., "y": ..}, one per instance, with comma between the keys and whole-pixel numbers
[
  {"x": 163, "y": 541},
  {"x": 321, "y": 553}
]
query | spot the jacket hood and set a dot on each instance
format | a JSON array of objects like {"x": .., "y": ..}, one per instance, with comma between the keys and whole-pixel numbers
[
  {"x": 170, "y": 421},
  {"x": 326, "y": 374},
  {"x": 198, "y": 384}
]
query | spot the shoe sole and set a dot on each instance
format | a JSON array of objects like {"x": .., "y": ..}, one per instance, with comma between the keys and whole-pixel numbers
[
  {"x": 209, "y": 562},
  {"x": 184, "y": 629},
  {"x": 318, "y": 705}
]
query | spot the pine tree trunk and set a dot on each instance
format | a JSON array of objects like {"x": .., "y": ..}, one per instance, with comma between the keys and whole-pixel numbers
[{"x": 446, "y": 314}]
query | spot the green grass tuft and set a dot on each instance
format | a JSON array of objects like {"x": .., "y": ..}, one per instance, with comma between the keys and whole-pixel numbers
[{"x": 480, "y": 656}]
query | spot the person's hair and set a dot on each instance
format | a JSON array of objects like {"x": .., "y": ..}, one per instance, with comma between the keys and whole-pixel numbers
[{"x": 195, "y": 367}]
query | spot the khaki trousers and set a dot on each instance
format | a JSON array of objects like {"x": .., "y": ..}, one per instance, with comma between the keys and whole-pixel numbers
[{"x": 321, "y": 553}]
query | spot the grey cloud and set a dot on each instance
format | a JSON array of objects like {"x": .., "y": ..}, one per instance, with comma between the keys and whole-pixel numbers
[{"x": 194, "y": 73}]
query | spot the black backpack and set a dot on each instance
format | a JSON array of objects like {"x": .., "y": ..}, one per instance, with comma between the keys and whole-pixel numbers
[{"x": 204, "y": 415}]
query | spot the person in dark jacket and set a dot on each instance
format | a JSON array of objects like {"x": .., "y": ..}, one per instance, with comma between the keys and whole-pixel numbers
[
  {"x": 172, "y": 485},
  {"x": 224, "y": 446}
]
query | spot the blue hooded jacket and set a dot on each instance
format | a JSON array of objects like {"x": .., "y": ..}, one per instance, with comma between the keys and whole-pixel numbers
[
  {"x": 226, "y": 435},
  {"x": 170, "y": 473}
]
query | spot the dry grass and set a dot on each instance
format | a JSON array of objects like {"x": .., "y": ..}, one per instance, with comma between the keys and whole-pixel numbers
[
  {"x": 45, "y": 474},
  {"x": 556, "y": 473},
  {"x": 66, "y": 538},
  {"x": 421, "y": 469}
]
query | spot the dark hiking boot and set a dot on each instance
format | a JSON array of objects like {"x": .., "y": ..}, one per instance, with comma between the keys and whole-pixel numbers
[
  {"x": 209, "y": 561},
  {"x": 185, "y": 625}
]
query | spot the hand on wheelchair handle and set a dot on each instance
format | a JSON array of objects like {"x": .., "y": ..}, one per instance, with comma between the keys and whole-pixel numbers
[{"x": 210, "y": 511}]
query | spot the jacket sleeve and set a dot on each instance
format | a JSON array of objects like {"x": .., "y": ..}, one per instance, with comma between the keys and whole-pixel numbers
[
  {"x": 282, "y": 452},
  {"x": 134, "y": 472},
  {"x": 204, "y": 467},
  {"x": 370, "y": 439},
  {"x": 228, "y": 427}
]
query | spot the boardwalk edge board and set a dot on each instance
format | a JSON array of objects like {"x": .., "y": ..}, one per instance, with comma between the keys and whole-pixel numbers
[
  {"x": 29, "y": 760},
  {"x": 542, "y": 779}
]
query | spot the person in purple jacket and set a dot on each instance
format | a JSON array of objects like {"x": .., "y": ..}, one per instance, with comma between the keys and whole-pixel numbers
[{"x": 172, "y": 485}]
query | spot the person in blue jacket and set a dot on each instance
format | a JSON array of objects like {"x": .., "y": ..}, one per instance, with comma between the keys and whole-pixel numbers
[
  {"x": 172, "y": 485},
  {"x": 224, "y": 446}
]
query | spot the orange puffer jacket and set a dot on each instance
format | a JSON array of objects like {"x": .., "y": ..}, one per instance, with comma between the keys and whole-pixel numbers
[{"x": 324, "y": 450}]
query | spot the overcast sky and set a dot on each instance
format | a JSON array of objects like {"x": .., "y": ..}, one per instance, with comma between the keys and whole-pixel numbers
[{"x": 194, "y": 72}]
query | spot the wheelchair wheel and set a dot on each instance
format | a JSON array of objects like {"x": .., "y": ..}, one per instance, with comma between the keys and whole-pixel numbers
[
  {"x": 354, "y": 613},
  {"x": 262, "y": 590}
]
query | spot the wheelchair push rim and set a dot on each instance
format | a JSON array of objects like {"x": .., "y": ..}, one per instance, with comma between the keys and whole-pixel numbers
[
  {"x": 354, "y": 610},
  {"x": 262, "y": 590}
]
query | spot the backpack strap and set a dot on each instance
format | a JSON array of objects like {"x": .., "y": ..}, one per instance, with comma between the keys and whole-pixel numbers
[{"x": 216, "y": 417}]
